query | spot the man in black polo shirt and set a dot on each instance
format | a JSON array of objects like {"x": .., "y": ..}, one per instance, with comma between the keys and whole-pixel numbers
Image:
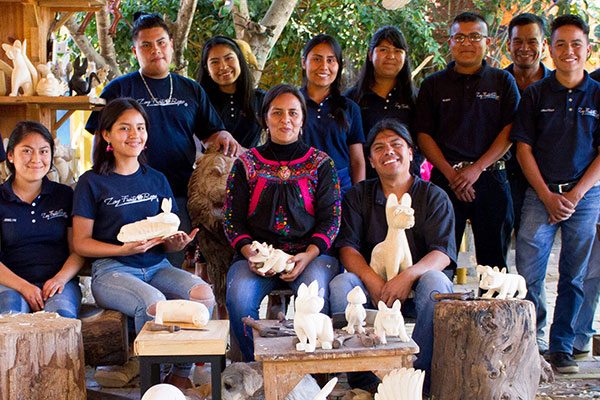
[
  {"x": 364, "y": 225},
  {"x": 526, "y": 43},
  {"x": 464, "y": 116},
  {"x": 557, "y": 131}
]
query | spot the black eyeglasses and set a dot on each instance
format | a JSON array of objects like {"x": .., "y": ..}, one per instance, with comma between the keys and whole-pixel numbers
[{"x": 473, "y": 37}]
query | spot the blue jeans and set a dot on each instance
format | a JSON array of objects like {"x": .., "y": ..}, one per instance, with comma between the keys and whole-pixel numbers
[
  {"x": 421, "y": 307},
  {"x": 132, "y": 290},
  {"x": 65, "y": 304},
  {"x": 491, "y": 215},
  {"x": 245, "y": 291},
  {"x": 534, "y": 244},
  {"x": 591, "y": 292}
]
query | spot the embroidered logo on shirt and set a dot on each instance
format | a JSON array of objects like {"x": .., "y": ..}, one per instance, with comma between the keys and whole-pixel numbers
[
  {"x": 162, "y": 102},
  {"x": 403, "y": 106},
  {"x": 487, "y": 95},
  {"x": 547, "y": 110},
  {"x": 127, "y": 200},
  {"x": 54, "y": 214},
  {"x": 9, "y": 220},
  {"x": 588, "y": 112},
  {"x": 446, "y": 100}
]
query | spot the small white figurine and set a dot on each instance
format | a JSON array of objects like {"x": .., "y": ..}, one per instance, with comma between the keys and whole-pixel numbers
[
  {"x": 394, "y": 4},
  {"x": 163, "y": 225},
  {"x": 390, "y": 322},
  {"x": 312, "y": 327},
  {"x": 48, "y": 85},
  {"x": 401, "y": 384},
  {"x": 327, "y": 389},
  {"x": 506, "y": 285},
  {"x": 24, "y": 75},
  {"x": 62, "y": 164},
  {"x": 355, "y": 312},
  {"x": 183, "y": 311},
  {"x": 163, "y": 391},
  {"x": 393, "y": 254},
  {"x": 272, "y": 259}
]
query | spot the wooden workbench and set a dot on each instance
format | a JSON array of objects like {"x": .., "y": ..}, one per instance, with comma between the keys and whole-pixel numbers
[{"x": 284, "y": 366}]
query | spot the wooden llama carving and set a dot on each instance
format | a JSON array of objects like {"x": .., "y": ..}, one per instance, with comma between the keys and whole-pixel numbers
[{"x": 392, "y": 256}]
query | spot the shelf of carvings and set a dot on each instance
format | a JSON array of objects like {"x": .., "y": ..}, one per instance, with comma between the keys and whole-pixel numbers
[{"x": 63, "y": 5}]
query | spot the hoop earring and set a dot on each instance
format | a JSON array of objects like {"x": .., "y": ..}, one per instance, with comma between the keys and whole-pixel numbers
[{"x": 109, "y": 148}]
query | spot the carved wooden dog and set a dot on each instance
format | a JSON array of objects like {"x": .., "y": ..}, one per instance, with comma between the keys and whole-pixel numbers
[
  {"x": 355, "y": 312},
  {"x": 312, "y": 327},
  {"x": 506, "y": 285},
  {"x": 390, "y": 322},
  {"x": 393, "y": 254}
]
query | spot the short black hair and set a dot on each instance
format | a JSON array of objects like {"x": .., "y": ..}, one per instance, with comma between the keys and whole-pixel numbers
[
  {"x": 469, "y": 16},
  {"x": 393, "y": 125},
  {"x": 569, "y": 19},
  {"x": 142, "y": 20},
  {"x": 526, "y": 19}
]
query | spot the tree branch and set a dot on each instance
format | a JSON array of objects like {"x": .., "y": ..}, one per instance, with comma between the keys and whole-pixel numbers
[{"x": 180, "y": 31}]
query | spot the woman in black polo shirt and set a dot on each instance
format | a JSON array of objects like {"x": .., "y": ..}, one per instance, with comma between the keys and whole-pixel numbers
[
  {"x": 37, "y": 266},
  {"x": 225, "y": 76},
  {"x": 384, "y": 88}
]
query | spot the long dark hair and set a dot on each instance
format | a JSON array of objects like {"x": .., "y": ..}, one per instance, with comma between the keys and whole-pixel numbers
[
  {"x": 244, "y": 85},
  {"x": 366, "y": 77},
  {"x": 338, "y": 102},
  {"x": 23, "y": 129},
  {"x": 104, "y": 161},
  {"x": 276, "y": 91}
]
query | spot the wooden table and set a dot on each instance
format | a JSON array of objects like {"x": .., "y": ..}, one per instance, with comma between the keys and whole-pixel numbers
[
  {"x": 154, "y": 348},
  {"x": 284, "y": 366}
]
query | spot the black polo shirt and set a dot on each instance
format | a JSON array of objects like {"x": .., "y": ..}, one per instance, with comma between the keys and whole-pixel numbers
[
  {"x": 561, "y": 125},
  {"x": 465, "y": 113},
  {"x": 595, "y": 75},
  {"x": 33, "y": 237},
  {"x": 244, "y": 128},
  {"x": 374, "y": 108},
  {"x": 364, "y": 222},
  {"x": 511, "y": 70},
  {"x": 2, "y": 153}
]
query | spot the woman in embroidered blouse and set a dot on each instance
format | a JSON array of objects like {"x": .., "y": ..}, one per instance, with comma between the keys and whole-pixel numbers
[
  {"x": 287, "y": 194},
  {"x": 226, "y": 78},
  {"x": 37, "y": 266}
]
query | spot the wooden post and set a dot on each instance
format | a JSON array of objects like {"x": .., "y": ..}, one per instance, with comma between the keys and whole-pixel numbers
[
  {"x": 485, "y": 349},
  {"x": 42, "y": 357}
]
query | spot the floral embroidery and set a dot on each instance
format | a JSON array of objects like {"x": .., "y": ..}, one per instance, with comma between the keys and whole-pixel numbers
[{"x": 281, "y": 222}]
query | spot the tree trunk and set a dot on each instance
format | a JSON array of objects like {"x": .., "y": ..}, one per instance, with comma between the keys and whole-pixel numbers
[
  {"x": 107, "y": 46},
  {"x": 105, "y": 339},
  {"x": 262, "y": 36},
  {"x": 180, "y": 30},
  {"x": 42, "y": 357},
  {"x": 485, "y": 349}
]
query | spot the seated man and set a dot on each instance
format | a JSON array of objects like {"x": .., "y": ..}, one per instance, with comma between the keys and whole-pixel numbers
[{"x": 364, "y": 225}]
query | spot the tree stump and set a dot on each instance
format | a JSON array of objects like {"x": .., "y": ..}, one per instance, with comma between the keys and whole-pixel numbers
[
  {"x": 41, "y": 357},
  {"x": 105, "y": 336},
  {"x": 485, "y": 349}
]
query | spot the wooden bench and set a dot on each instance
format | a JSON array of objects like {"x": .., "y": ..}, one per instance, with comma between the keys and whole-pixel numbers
[{"x": 284, "y": 366}]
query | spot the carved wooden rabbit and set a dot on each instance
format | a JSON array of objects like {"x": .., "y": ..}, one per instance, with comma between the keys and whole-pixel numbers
[
  {"x": 355, "y": 312},
  {"x": 393, "y": 254},
  {"x": 24, "y": 75},
  {"x": 163, "y": 224},
  {"x": 390, "y": 322},
  {"x": 313, "y": 328},
  {"x": 506, "y": 285}
]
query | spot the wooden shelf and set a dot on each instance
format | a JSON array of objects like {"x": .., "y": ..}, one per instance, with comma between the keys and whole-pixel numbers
[
  {"x": 63, "y": 5},
  {"x": 55, "y": 103}
]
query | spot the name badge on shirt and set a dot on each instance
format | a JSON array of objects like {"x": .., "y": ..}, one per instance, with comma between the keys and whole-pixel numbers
[
  {"x": 588, "y": 112},
  {"x": 54, "y": 214},
  {"x": 487, "y": 96},
  {"x": 547, "y": 110},
  {"x": 9, "y": 220},
  {"x": 446, "y": 100}
]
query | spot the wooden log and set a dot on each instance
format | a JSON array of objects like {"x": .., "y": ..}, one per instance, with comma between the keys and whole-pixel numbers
[
  {"x": 42, "y": 357},
  {"x": 485, "y": 349},
  {"x": 105, "y": 338}
]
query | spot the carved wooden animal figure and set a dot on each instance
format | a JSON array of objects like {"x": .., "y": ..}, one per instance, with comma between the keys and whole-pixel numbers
[
  {"x": 163, "y": 391},
  {"x": 393, "y": 254},
  {"x": 78, "y": 82},
  {"x": 206, "y": 196},
  {"x": 390, "y": 322},
  {"x": 185, "y": 311},
  {"x": 506, "y": 285},
  {"x": 275, "y": 260},
  {"x": 327, "y": 389},
  {"x": 355, "y": 312},
  {"x": 401, "y": 384},
  {"x": 313, "y": 328},
  {"x": 163, "y": 224},
  {"x": 48, "y": 85},
  {"x": 24, "y": 75}
]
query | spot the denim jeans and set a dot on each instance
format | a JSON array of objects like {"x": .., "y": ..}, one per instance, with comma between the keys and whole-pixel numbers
[
  {"x": 534, "y": 244},
  {"x": 65, "y": 304},
  {"x": 132, "y": 290},
  {"x": 591, "y": 292},
  {"x": 491, "y": 215},
  {"x": 245, "y": 291},
  {"x": 421, "y": 307}
]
